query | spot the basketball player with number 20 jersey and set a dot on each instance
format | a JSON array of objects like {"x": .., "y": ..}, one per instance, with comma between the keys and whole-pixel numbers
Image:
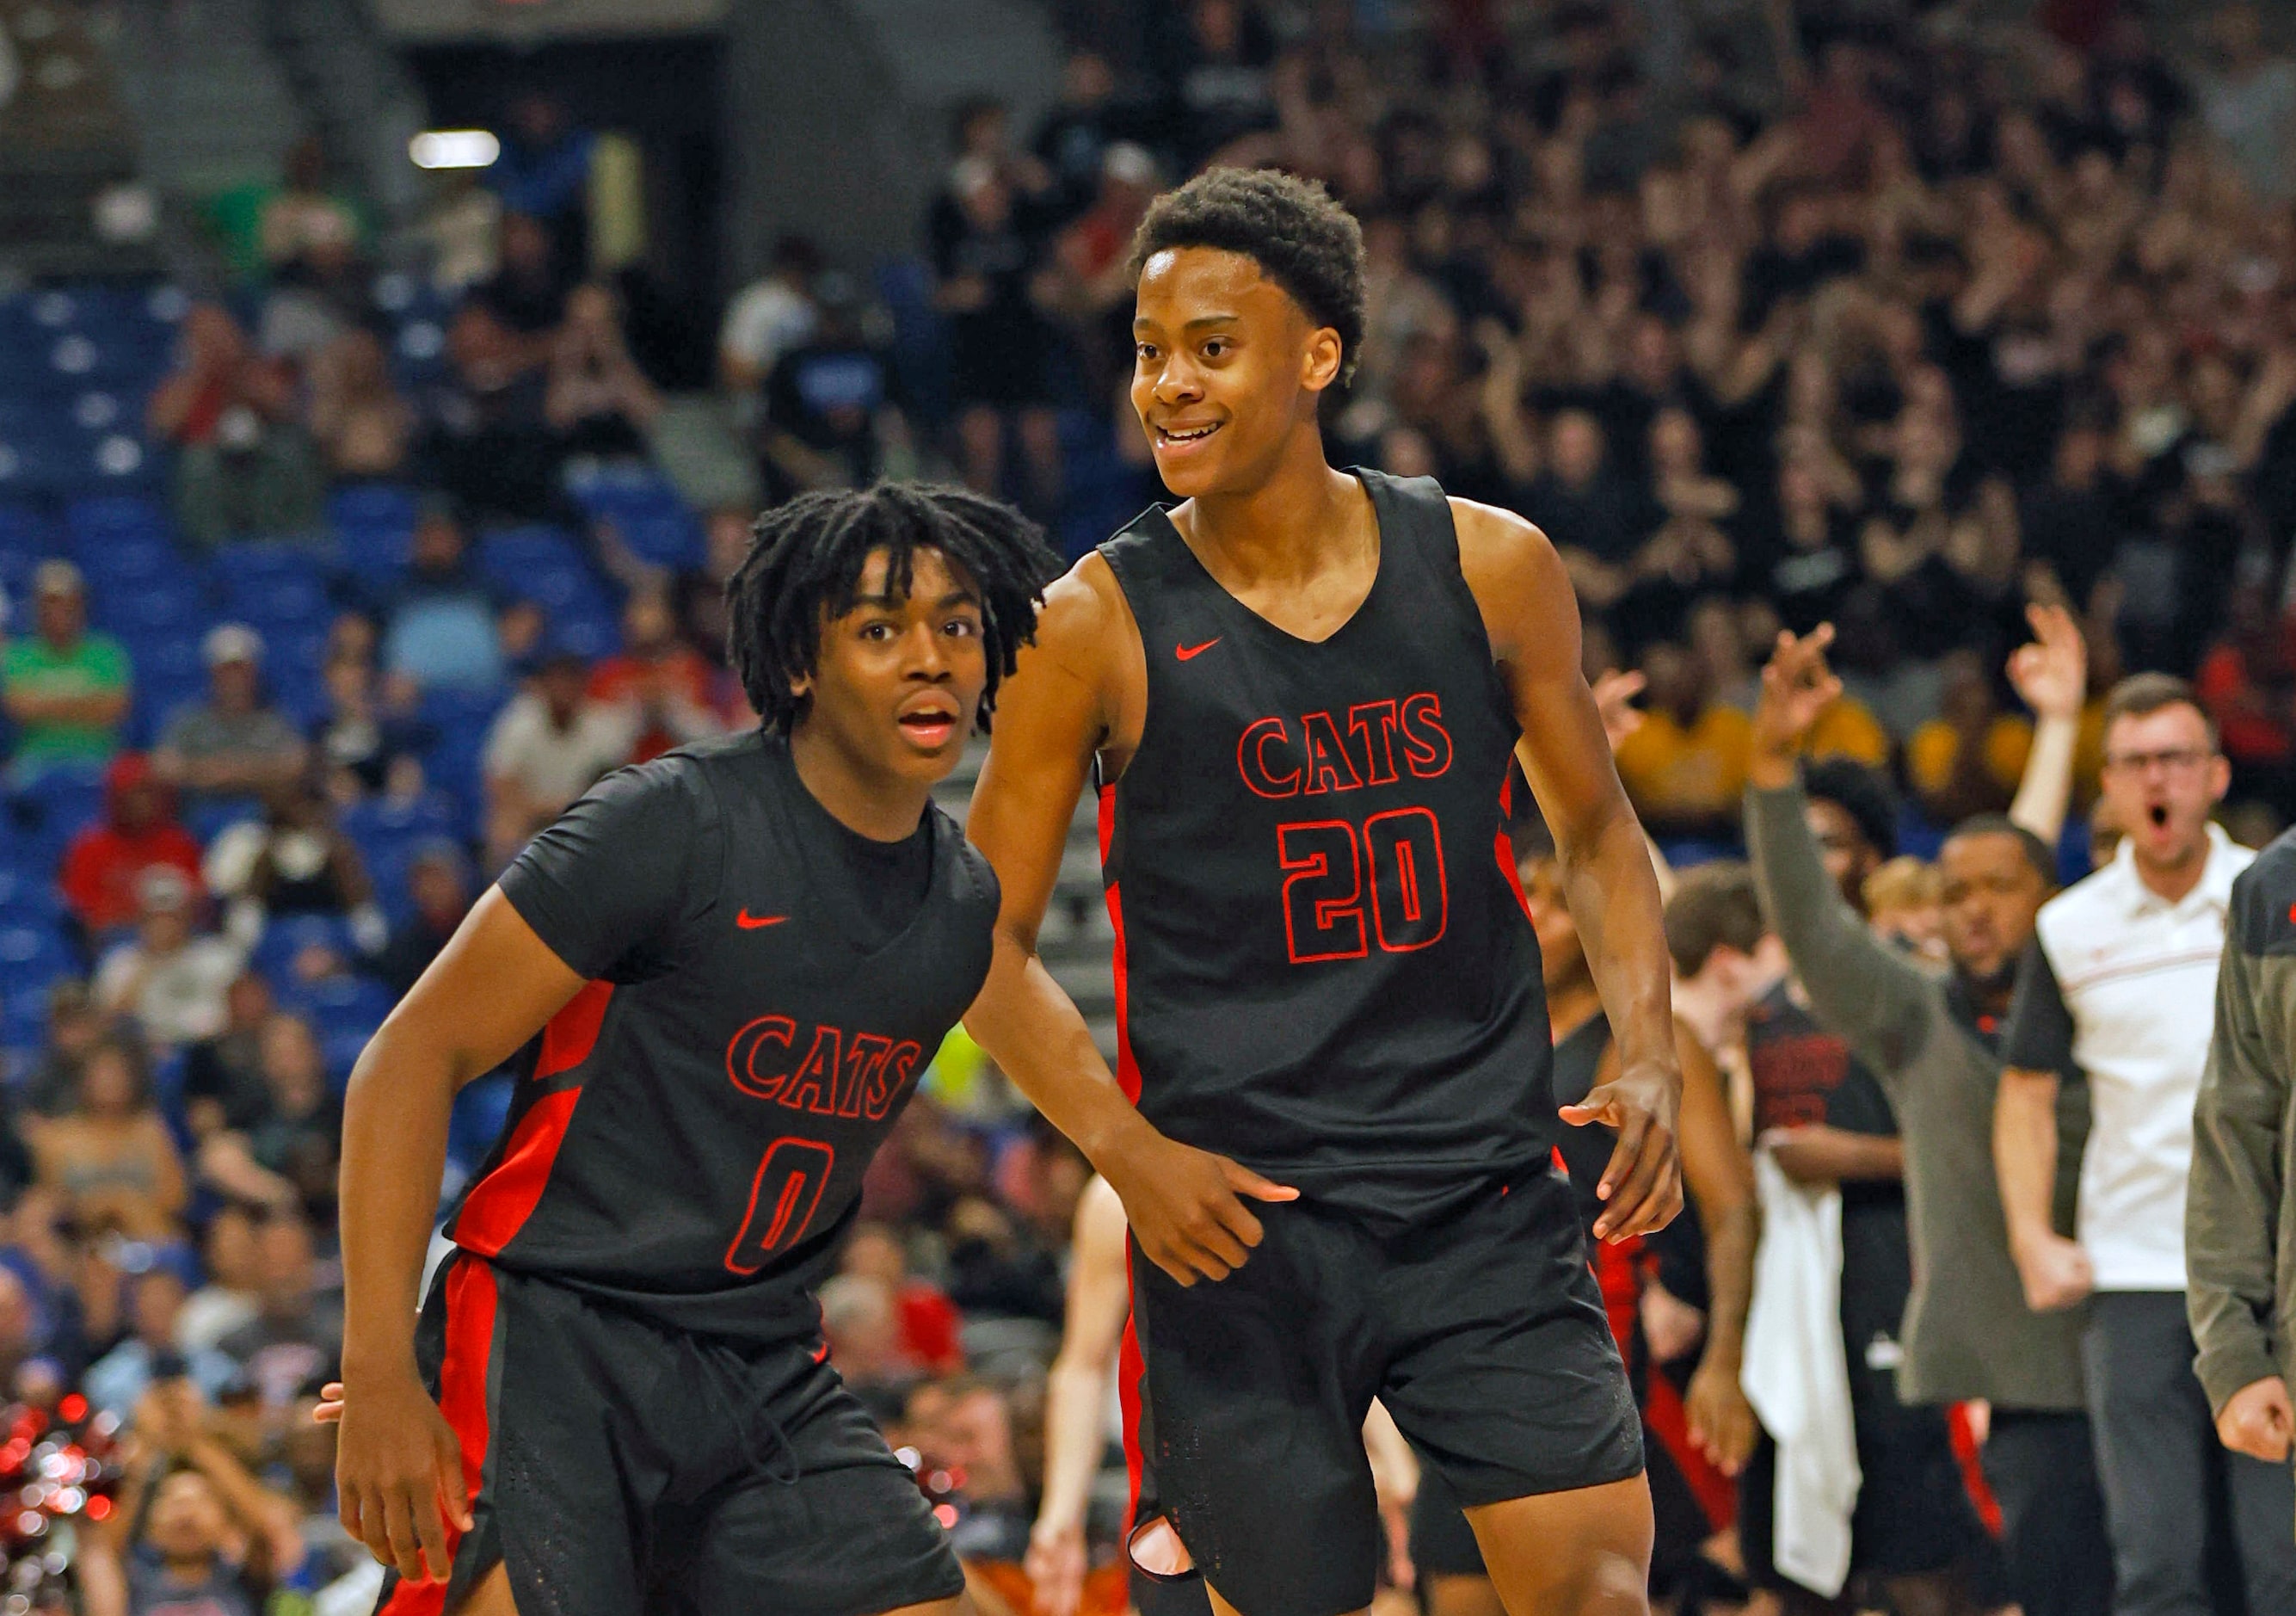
[
  {"x": 739, "y": 957},
  {"x": 1303, "y": 692}
]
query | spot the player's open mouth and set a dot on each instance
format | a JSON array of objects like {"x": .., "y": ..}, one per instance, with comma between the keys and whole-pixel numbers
[
  {"x": 929, "y": 727},
  {"x": 1177, "y": 435}
]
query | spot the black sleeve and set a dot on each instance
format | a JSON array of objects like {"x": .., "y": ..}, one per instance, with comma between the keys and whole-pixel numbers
[
  {"x": 607, "y": 882},
  {"x": 2040, "y": 1036}
]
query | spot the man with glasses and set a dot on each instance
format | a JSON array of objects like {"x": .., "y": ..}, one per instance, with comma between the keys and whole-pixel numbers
[{"x": 2117, "y": 994}]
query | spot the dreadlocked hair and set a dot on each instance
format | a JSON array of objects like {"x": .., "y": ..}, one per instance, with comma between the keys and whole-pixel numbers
[{"x": 804, "y": 567}]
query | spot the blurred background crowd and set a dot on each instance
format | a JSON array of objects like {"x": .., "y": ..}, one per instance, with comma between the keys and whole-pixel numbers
[{"x": 344, "y": 541}]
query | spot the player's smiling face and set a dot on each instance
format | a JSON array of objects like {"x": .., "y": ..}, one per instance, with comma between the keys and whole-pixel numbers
[
  {"x": 1225, "y": 366},
  {"x": 899, "y": 682}
]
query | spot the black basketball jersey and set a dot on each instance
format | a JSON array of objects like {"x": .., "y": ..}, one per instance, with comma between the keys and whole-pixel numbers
[
  {"x": 1325, "y": 965},
  {"x": 690, "y": 1134}
]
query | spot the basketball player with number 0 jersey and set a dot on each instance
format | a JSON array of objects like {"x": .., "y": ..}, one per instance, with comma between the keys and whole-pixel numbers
[{"x": 1303, "y": 693}]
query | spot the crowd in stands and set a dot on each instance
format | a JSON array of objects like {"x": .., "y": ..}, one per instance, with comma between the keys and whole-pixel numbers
[{"x": 323, "y": 593}]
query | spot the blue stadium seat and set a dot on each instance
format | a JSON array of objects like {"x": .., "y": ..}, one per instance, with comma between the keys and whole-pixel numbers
[
  {"x": 480, "y": 1109},
  {"x": 378, "y": 822},
  {"x": 206, "y": 821},
  {"x": 373, "y": 508},
  {"x": 28, "y": 897},
  {"x": 55, "y": 803},
  {"x": 280, "y": 600},
  {"x": 32, "y": 957},
  {"x": 95, "y": 522},
  {"x": 512, "y": 555},
  {"x": 136, "y": 613},
  {"x": 288, "y": 936}
]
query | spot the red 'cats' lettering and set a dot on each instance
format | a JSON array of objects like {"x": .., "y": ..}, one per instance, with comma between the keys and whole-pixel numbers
[{"x": 1328, "y": 758}]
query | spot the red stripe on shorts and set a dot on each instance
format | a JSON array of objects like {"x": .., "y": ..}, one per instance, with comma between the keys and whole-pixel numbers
[{"x": 463, "y": 1400}]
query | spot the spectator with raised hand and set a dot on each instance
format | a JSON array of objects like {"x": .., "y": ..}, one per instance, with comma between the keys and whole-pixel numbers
[
  {"x": 235, "y": 747},
  {"x": 296, "y": 860},
  {"x": 364, "y": 428},
  {"x": 115, "y": 1382},
  {"x": 243, "y": 463},
  {"x": 599, "y": 402},
  {"x": 65, "y": 686},
  {"x": 1968, "y": 1332}
]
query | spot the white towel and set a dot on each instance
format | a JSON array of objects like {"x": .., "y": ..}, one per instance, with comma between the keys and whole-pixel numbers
[{"x": 1797, "y": 1379}]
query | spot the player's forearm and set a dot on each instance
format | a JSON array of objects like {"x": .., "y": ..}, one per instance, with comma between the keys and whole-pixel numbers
[
  {"x": 1613, "y": 894},
  {"x": 1074, "y": 1396},
  {"x": 395, "y": 1116},
  {"x": 1034, "y": 1030},
  {"x": 2025, "y": 1151},
  {"x": 1731, "y": 1236},
  {"x": 2045, "y": 791}
]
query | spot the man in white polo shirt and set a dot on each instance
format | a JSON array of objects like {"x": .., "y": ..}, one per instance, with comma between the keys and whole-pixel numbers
[{"x": 2119, "y": 990}]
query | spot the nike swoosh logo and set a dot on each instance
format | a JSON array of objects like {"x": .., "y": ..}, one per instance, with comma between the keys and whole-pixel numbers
[
  {"x": 1187, "y": 652},
  {"x": 750, "y": 922}
]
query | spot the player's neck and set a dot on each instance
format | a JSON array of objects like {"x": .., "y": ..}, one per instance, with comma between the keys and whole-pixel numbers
[
  {"x": 869, "y": 802},
  {"x": 1282, "y": 529},
  {"x": 1570, "y": 1005}
]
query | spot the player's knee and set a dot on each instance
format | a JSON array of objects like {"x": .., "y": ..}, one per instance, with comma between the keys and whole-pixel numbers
[{"x": 1603, "y": 1583}]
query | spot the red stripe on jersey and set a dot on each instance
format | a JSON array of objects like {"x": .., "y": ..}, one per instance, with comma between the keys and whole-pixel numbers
[
  {"x": 573, "y": 1032},
  {"x": 1508, "y": 871},
  {"x": 1127, "y": 1070},
  {"x": 499, "y": 1204},
  {"x": 1131, "y": 1369},
  {"x": 463, "y": 1400}
]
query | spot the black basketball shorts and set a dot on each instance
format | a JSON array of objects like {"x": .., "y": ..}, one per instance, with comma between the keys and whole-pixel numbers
[
  {"x": 1481, "y": 1330},
  {"x": 620, "y": 1467}
]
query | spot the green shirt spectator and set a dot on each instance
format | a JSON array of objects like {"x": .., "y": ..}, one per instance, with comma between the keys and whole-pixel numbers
[{"x": 65, "y": 687}]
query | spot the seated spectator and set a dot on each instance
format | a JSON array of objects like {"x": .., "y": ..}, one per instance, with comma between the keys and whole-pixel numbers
[
  {"x": 439, "y": 881},
  {"x": 296, "y": 860},
  {"x": 171, "y": 980},
  {"x": 659, "y": 675},
  {"x": 285, "y": 1157},
  {"x": 369, "y": 725},
  {"x": 296, "y": 1338},
  {"x": 440, "y": 628},
  {"x": 1968, "y": 759},
  {"x": 138, "y": 832},
  {"x": 1686, "y": 764},
  {"x": 1803, "y": 553},
  {"x": 550, "y": 745},
  {"x": 243, "y": 465},
  {"x": 970, "y": 1436},
  {"x": 228, "y": 1301},
  {"x": 486, "y": 430},
  {"x": 64, "y": 687},
  {"x": 861, "y": 1323},
  {"x": 598, "y": 402},
  {"x": 834, "y": 409},
  {"x": 529, "y": 291},
  {"x": 115, "y": 1382},
  {"x": 927, "y": 1321},
  {"x": 767, "y": 318},
  {"x": 235, "y": 747},
  {"x": 223, "y": 1075},
  {"x": 363, "y": 429},
  {"x": 303, "y": 211},
  {"x": 109, "y": 1159},
  {"x": 75, "y": 1025},
  {"x": 327, "y": 293}
]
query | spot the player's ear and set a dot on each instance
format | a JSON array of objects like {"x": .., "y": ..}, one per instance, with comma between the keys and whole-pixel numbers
[{"x": 1319, "y": 366}]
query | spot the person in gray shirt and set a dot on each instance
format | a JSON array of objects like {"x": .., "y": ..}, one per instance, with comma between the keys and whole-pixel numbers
[
  {"x": 231, "y": 745},
  {"x": 1930, "y": 1039}
]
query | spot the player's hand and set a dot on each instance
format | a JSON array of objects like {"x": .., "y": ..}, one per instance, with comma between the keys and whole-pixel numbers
[
  {"x": 1187, "y": 1206},
  {"x": 2050, "y": 675},
  {"x": 1642, "y": 1185},
  {"x": 1056, "y": 1564},
  {"x": 1722, "y": 1423},
  {"x": 399, "y": 1477},
  {"x": 2258, "y": 1421},
  {"x": 2055, "y": 1272},
  {"x": 329, "y": 1409},
  {"x": 1796, "y": 688},
  {"x": 1395, "y": 1520}
]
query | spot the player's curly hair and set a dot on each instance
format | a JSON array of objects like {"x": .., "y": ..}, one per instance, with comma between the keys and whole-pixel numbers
[
  {"x": 804, "y": 567},
  {"x": 1301, "y": 237}
]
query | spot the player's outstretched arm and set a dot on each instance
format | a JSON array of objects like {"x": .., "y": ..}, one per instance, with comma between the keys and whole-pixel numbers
[
  {"x": 1066, "y": 702},
  {"x": 1076, "y": 1398},
  {"x": 399, "y": 1467},
  {"x": 1532, "y": 620},
  {"x": 1721, "y": 1177}
]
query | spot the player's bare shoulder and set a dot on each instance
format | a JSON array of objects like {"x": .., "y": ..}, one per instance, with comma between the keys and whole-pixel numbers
[
  {"x": 1519, "y": 581},
  {"x": 1086, "y": 658}
]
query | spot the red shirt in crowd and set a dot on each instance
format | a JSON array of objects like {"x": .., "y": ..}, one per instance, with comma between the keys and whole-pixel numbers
[{"x": 138, "y": 830}]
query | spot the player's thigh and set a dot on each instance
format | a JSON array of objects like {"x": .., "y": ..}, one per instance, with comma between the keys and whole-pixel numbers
[
  {"x": 849, "y": 1541},
  {"x": 1256, "y": 1387},
  {"x": 1581, "y": 1553},
  {"x": 492, "y": 1597}
]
